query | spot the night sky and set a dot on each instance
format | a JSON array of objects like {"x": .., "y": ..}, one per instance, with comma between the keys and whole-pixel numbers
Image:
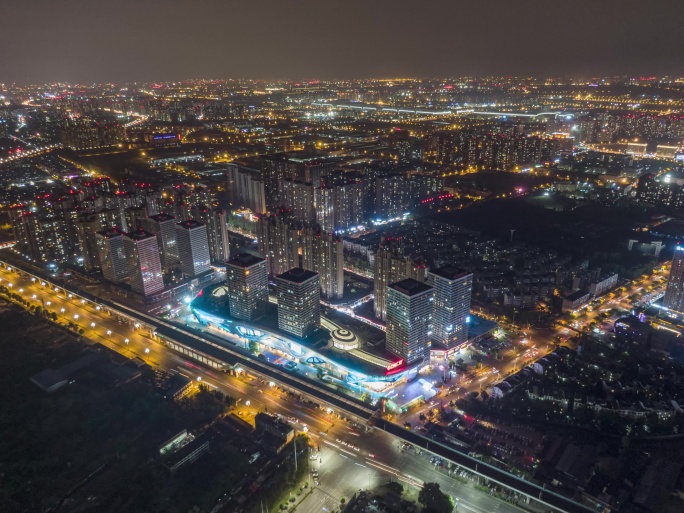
[{"x": 158, "y": 40}]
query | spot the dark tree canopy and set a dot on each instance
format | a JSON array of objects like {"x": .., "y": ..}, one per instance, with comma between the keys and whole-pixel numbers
[{"x": 434, "y": 500}]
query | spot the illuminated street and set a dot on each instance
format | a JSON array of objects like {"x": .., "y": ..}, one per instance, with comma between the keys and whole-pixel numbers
[{"x": 389, "y": 461}]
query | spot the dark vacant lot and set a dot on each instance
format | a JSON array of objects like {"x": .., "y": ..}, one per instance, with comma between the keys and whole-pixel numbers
[
  {"x": 590, "y": 230},
  {"x": 90, "y": 446}
]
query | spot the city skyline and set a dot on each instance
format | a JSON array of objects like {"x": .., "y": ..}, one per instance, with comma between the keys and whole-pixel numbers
[
  {"x": 463, "y": 292},
  {"x": 268, "y": 40}
]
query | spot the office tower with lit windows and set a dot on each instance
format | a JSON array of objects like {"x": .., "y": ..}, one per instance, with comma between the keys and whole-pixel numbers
[
  {"x": 193, "y": 247},
  {"x": 390, "y": 266},
  {"x": 112, "y": 254},
  {"x": 164, "y": 227},
  {"x": 409, "y": 320},
  {"x": 299, "y": 297},
  {"x": 674, "y": 293},
  {"x": 247, "y": 281},
  {"x": 453, "y": 289},
  {"x": 144, "y": 263}
]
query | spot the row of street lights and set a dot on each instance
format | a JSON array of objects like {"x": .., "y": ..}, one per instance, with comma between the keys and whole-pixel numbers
[{"x": 63, "y": 310}]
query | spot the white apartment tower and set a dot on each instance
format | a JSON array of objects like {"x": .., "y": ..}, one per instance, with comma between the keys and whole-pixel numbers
[
  {"x": 193, "y": 247},
  {"x": 409, "y": 320},
  {"x": 453, "y": 289},
  {"x": 247, "y": 281},
  {"x": 145, "y": 271}
]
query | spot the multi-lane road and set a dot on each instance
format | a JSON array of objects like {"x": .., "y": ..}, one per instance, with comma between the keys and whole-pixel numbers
[{"x": 343, "y": 470}]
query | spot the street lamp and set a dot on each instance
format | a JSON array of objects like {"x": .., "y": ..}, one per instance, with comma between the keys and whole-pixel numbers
[{"x": 92, "y": 324}]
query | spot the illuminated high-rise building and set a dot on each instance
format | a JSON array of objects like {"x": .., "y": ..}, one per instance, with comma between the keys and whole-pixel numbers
[
  {"x": 247, "y": 281},
  {"x": 278, "y": 243},
  {"x": 299, "y": 197},
  {"x": 409, "y": 320},
  {"x": 674, "y": 293},
  {"x": 453, "y": 289},
  {"x": 391, "y": 266},
  {"x": 275, "y": 168},
  {"x": 112, "y": 254},
  {"x": 87, "y": 227},
  {"x": 299, "y": 306},
  {"x": 391, "y": 195},
  {"x": 16, "y": 213},
  {"x": 46, "y": 238},
  {"x": 144, "y": 263},
  {"x": 193, "y": 247},
  {"x": 322, "y": 252},
  {"x": 134, "y": 218},
  {"x": 164, "y": 227},
  {"x": 217, "y": 230},
  {"x": 246, "y": 189},
  {"x": 339, "y": 206}
]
